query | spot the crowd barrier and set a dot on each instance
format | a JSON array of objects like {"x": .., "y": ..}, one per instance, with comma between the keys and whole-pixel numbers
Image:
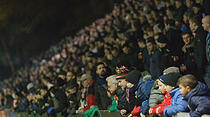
[{"x": 100, "y": 113}]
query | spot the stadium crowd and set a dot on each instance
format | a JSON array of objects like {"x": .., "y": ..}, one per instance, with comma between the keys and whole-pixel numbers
[{"x": 145, "y": 58}]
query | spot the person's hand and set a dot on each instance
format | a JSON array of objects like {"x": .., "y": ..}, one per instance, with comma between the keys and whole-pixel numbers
[
  {"x": 123, "y": 112},
  {"x": 142, "y": 115},
  {"x": 157, "y": 110},
  {"x": 80, "y": 110},
  {"x": 150, "y": 111},
  {"x": 130, "y": 115}
]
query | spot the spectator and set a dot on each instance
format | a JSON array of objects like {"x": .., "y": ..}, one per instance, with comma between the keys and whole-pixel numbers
[
  {"x": 197, "y": 95},
  {"x": 177, "y": 104},
  {"x": 206, "y": 26}
]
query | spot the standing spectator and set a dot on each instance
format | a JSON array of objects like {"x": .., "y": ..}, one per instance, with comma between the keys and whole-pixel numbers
[
  {"x": 199, "y": 46},
  {"x": 188, "y": 61},
  {"x": 206, "y": 26}
]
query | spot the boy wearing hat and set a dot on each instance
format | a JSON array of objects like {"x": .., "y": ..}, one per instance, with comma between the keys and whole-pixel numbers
[
  {"x": 177, "y": 104},
  {"x": 196, "y": 93}
]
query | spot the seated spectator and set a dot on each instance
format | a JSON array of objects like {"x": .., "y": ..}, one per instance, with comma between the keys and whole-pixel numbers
[
  {"x": 177, "y": 104},
  {"x": 196, "y": 93},
  {"x": 112, "y": 84},
  {"x": 158, "y": 109}
]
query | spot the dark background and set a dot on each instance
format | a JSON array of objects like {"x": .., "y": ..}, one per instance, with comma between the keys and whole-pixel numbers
[{"x": 28, "y": 27}]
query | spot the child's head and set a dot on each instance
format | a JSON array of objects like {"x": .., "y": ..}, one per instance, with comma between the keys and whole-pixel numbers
[
  {"x": 186, "y": 83},
  {"x": 170, "y": 81}
]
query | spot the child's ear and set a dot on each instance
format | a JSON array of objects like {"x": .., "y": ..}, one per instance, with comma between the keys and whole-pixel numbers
[{"x": 188, "y": 88}]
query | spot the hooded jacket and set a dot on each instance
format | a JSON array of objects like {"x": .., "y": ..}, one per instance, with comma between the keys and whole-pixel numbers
[
  {"x": 177, "y": 103},
  {"x": 199, "y": 100}
]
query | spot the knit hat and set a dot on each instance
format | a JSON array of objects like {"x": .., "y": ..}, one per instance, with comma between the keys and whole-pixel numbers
[
  {"x": 123, "y": 72},
  {"x": 170, "y": 79},
  {"x": 133, "y": 76},
  {"x": 171, "y": 70}
]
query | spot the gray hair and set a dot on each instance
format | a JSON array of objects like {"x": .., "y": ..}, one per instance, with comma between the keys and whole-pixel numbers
[{"x": 112, "y": 79}]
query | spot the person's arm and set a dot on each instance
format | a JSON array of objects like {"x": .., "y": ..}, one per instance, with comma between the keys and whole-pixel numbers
[
  {"x": 203, "y": 105},
  {"x": 179, "y": 106}
]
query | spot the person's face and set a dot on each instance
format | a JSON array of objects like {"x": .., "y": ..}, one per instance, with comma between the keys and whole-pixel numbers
[
  {"x": 186, "y": 39},
  {"x": 184, "y": 90},
  {"x": 188, "y": 3},
  {"x": 150, "y": 47},
  {"x": 43, "y": 92},
  {"x": 125, "y": 50},
  {"x": 129, "y": 85},
  {"x": 169, "y": 88},
  {"x": 113, "y": 88},
  {"x": 101, "y": 70},
  {"x": 122, "y": 83},
  {"x": 162, "y": 87},
  {"x": 161, "y": 45},
  {"x": 177, "y": 4},
  {"x": 205, "y": 24},
  {"x": 85, "y": 83},
  {"x": 69, "y": 76},
  {"x": 141, "y": 44},
  {"x": 195, "y": 10},
  {"x": 192, "y": 26}
]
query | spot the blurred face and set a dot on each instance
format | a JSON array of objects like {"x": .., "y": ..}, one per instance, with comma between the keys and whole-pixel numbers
[
  {"x": 101, "y": 70},
  {"x": 112, "y": 88},
  {"x": 162, "y": 86},
  {"x": 184, "y": 90},
  {"x": 150, "y": 47},
  {"x": 192, "y": 26},
  {"x": 125, "y": 50},
  {"x": 86, "y": 82},
  {"x": 169, "y": 88},
  {"x": 205, "y": 24},
  {"x": 186, "y": 38},
  {"x": 69, "y": 76},
  {"x": 122, "y": 83},
  {"x": 161, "y": 45},
  {"x": 129, "y": 85},
  {"x": 141, "y": 44}
]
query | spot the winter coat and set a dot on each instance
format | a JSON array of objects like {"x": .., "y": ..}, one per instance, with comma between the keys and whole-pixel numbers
[
  {"x": 101, "y": 98},
  {"x": 90, "y": 96},
  {"x": 199, "y": 100},
  {"x": 188, "y": 60},
  {"x": 166, "y": 102},
  {"x": 155, "y": 65},
  {"x": 144, "y": 90},
  {"x": 156, "y": 97},
  {"x": 129, "y": 104},
  {"x": 177, "y": 103}
]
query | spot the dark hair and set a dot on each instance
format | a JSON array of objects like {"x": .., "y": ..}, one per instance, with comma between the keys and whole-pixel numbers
[
  {"x": 188, "y": 80},
  {"x": 99, "y": 63},
  {"x": 187, "y": 32},
  {"x": 196, "y": 20},
  {"x": 170, "y": 22}
]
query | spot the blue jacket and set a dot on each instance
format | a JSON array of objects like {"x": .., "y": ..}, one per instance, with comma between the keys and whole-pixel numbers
[
  {"x": 199, "y": 100},
  {"x": 143, "y": 90},
  {"x": 177, "y": 103}
]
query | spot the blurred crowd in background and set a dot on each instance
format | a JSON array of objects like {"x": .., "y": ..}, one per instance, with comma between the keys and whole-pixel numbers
[{"x": 119, "y": 63}]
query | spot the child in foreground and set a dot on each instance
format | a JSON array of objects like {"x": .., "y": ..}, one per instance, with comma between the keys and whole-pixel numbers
[{"x": 196, "y": 93}]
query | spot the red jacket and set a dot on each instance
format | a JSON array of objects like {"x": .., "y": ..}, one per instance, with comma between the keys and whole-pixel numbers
[
  {"x": 135, "y": 111},
  {"x": 166, "y": 102},
  {"x": 90, "y": 97}
]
